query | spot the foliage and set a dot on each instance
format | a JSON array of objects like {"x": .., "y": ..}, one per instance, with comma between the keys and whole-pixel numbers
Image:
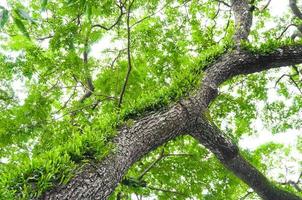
[{"x": 47, "y": 133}]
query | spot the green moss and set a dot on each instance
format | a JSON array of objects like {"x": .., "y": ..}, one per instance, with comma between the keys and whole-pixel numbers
[
  {"x": 32, "y": 177},
  {"x": 269, "y": 46}
]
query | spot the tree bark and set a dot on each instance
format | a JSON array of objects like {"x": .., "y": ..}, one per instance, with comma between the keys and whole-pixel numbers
[
  {"x": 228, "y": 154},
  {"x": 98, "y": 180}
]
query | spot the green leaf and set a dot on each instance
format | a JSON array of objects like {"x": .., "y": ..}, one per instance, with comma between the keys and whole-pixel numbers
[
  {"x": 44, "y": 4},
  {"x": 3, "y": 17},
  {"x": 21, "y": 27},
  {"x": 89, "y": 10},
  {"x": 24, "y": 15}
]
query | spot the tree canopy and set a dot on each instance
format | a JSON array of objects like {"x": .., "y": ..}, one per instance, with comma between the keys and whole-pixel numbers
[{"x": 131, "y": 99}]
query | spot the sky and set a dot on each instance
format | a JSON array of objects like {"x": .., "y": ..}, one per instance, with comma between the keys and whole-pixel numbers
[{"x": 263, "y": 135}]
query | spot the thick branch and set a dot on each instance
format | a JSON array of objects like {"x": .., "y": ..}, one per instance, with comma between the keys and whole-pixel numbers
[
  {"x": 295, "y": 9},
  {"x": 227, "y": 152},
  {"x": 243, "y": 19},
  {"x": 98, "y": 180},
  {"x": 152, "y": 131},
  {"x": 241, "y": 62},
  {"x": 297, "y": 12}
]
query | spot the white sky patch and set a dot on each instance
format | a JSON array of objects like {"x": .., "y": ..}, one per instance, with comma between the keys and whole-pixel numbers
[
  {"x": 20, "y": 89},
  {"x": 4, "y": 160},
  {"x": 278, "y": 7},
  {"x": 288, "y": 138},
  {"x": 4, "y": 4},
  {"x": 106, "y": 43}
]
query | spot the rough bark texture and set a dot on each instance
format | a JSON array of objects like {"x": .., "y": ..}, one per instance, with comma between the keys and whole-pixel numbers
[
  {"x": 243, "y": 19},
  {"x": 227, "y": 152},
  {"x": 295, "y": 9},
  {"x": 98, "y": 180}
]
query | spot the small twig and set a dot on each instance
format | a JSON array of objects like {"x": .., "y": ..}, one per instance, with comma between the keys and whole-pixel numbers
[
  {"x": 154, "y": 13},
  {"x": 227, "y": 26},
  {"x": 89, "y": 91},
  {"x": 224, "y": 3},
  {"x": 149, "y": 16},
  {"x": 291, "y": 78},
  {"x": 299, "y": 178},
  {"x": 52, "y": 87},
  {"x": 178, "y": 155},
  {"x": 296, "y": 69},
  {"x": 293, "y": 183},
  {"x": 295, "y": 83},
  {"x": 285, "y": 30},
  {"x": 68, "y": 100},
  {"x": 266, "y": 6},
  {"x": 214, "y": 19},
  {"x": 96, "y": 103},
  {"x": 121, "y": 6},
  {"x": 93, "y": 105},
  {"x": 44, "y": 38},
  {"x": 117, "y": 57},
  {"x": 279, "y": 79},
  {"x": 161, "y": 155},
  {"x": 246, "y": 195}
]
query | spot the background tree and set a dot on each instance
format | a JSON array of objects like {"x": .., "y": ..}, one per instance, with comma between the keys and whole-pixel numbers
[{"x": 160, "y": 111}]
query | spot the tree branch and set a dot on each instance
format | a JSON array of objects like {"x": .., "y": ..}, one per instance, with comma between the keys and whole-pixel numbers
[
  {"x": 280, "y": 36},
  {"x": 90, "y": 86},
  {"x": 266, "y": 6},
  {"x": 128, "y": 55},
  {"x": 121, "y": 7},
  {"x": 162, "y": 126},
  {"x": 161, "y": 155},
  {"x": 228, "y": 154},
  {"x": 149, "y": 16},
  {"x": 240, "y": 62},
  {"x": 246, "y": 195},
  {"x": 224, "y": 3},
  {"x": 295, "y": 184},
  {"x": 243, "y": 19},
  {"x": 296, "y": 11}
]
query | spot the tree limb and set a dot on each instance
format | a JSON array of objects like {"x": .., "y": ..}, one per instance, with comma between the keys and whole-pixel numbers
[
  {"x": 128, "y": 55},
  {"x": 121, "y": 7},
  {"x": 224, "y": 3},
  {"x": 243, "y": 19},
  {"x": 161, "y": 155},
  {"x": 266, "y": 6},
  {"x": 246, "y": 195},
  {"x": 160, "y": 127},
  {"x": 90, "y": 86},
  {"x": 296, "y": 11},
  {"x": 228, "y": 154}
]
